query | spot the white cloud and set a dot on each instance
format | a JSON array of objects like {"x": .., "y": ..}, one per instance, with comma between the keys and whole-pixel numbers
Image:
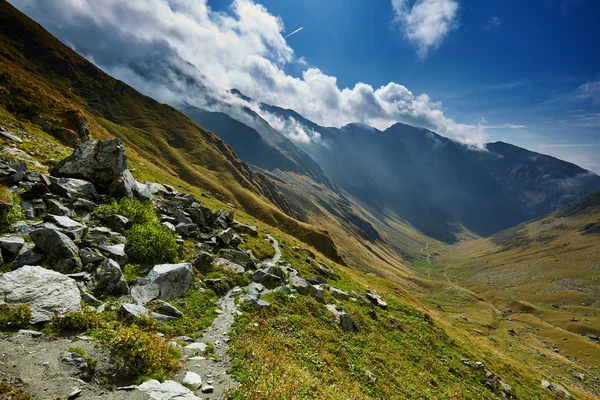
[
  {"x": 589, "y": 90},
  {"x": 140, "y": 41},
  {"x": 426, "y": 23}
]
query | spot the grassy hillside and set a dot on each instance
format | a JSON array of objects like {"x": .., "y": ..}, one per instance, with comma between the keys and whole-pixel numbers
[{"x": 41, "y": 76}]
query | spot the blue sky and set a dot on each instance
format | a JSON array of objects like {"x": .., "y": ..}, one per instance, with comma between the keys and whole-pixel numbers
[
  {"x": 505, "y": 62},
  {"x": 526, "y": 72}
]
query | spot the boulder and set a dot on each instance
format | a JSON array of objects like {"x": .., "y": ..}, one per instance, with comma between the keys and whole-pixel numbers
[
  {"x": 116, "y": 252},
  {"x": 192, "y": 379},
  {"x": 347, "y": 323},
  {"x": 108, "y": 278},
  {"x": 142, "y": 192},
  {"x": 10, "y": 246},
  {"x": 145, "y": 294},
  {"x": 48, "y": 293},
  {"x": 270, "y": 281},
  {"x": 299, "y": 284},
  {"x": 174, "y": 279},
  {"x": 339, "y": 294},
  {"x": 28, "y": 257},
  {"x": 37, "y": 191},
  {"x": 58, "y": 245},
  {"x": 196, "y": 214},
  {"x": 245, "y": 229},
  {"x": 227, "y": 215},
  {"x": 66, "y": 225},
  {"x": 90, "y": 256},
  {"x": 81, "y": 205},
  {"x": 203, "y": 260},
  {"x": 224, "y": 237},
  {"x": 100, "y": 162},
  {"x": 57, "y": 208},
  {"x": 235, "y": 256},
  {"x": 325, "y": 271},
  {"x": 116, "y": 222},
  {"x": 123, "y": 185},
  {"x": 73, "y": 188},
  {"x": 228, "y": 265}
]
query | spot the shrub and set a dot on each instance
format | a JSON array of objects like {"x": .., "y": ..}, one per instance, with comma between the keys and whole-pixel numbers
[
  {"x": 140, "y": 353},
  {"x": 10, "y": 214},
  {"x": 76, "y": 322},
  {"x": 138, "y": 212},
  {"x": 131, "y": 272},
  {"x": 151, "y": 243},
  {"x": 14, "y": 317}
]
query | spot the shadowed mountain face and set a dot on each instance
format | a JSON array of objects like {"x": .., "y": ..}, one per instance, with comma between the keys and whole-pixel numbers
[{"x": 441, "y": 186}]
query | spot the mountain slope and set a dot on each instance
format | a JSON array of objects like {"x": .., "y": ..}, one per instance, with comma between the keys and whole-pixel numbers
[
  {"x": 41, "y": 76},
  {"x": 439, "y": 186}
]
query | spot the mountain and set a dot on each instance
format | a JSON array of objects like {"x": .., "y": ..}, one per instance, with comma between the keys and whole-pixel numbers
[
  {"x": 40, "y": 76},
  {"x": 439, "y": 186}
]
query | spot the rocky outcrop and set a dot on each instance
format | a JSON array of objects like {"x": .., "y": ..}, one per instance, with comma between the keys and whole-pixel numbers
[
  {"x": 48, "y": 293},
  {"x": 58, "y": 245}
]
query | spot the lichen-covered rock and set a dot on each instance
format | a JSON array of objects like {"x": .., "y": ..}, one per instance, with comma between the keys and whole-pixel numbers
[
  {"x": 109, "y": 278},
  {"x": 48, "y": 293},
  {"x": 58, "y": 245}
]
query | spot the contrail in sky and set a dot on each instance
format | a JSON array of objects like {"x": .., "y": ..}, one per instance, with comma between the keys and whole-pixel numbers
[{"x": 293, "y": 33}]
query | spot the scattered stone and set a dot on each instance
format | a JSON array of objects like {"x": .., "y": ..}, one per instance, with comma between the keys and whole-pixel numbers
[
  {"x": 167, "y": 390},
  {"x": 174, "y": 279},
  {"x": 167, "y": 309},
  {"x": 10, "y": 246},
  {"x": 57, "y": 208},
  {"x": 347, "y": 323},
  {"x": 512, "y": 332},
  {"x": 123, "y": 185},
  {"x": 48, "y": 293},
  {"x": 6, "y": 134},
  {"x": 75, "y": 394},
  {"x": 28, "y": 332},
  {"x": 261, "y": 304},
  {"x": 58, "y": 245},
  {"x": 140, "y": 311},
  {"x": 90, "y": 299},
  {"x": 326, "y": 271},
  {"x": 109, "y": 278},
  {"x": 82, "y": 204},
  {"x": 561, "y": 389},
  {"x": 339, "y": 294},
  {"x": 192, "y": 379},
  {"x": 299, "y": 284},
  {"x": 507, "y": 390},
  {"x": 90, "y": 256},
  {"x": 317, "y": 292},
  {"x": 29, "y": 257},
  {"x": 146, "y": 293},
  {"x": 116, "y": 252},
  {"x": 224, "y": 237},
  {"x": 236, "y": 256},
  {"x": 376, "y": 299},
  {"x": 73, "y": 188},
  {"x": 116, "y": 222},
  {"x": 74, "y": 359},
  {"x": 245, "y": 229},
  {"x": 228, "y": 265},
  {"x": 370, "y": 376},
  {"x": 194, "y": 349},
  {"x": 270, "y": 281}
]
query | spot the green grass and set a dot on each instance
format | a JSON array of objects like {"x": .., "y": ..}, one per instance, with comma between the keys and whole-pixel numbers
[
  {"x": 259, "y": 245},
  {"x": 14, "y": 317},
  {"x": 138, "y": 212}
]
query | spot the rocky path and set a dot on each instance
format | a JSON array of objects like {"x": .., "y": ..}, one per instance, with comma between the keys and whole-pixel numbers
[
  {"x": 272, "y": 261},
  {"x": 428, "y": 255},
  {"x": 215, "y": 371}
]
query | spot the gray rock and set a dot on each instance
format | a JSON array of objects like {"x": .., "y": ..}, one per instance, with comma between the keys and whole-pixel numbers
[
  {"x": 20, "y": 167},
  {"x": 192, "y": 379},
  {"x": 90, "y": 256},
  {"x": 174, "y": 279},
  {"x": 167, "y": 309},
  {"x": 82, "y": 204},
  {"x": 73, "y": 188},
  {"x": 326, "y": 271},
  {"x": 99, "y": 162},
  {"x": 167, "y": 390},
  {"x": 339, "y": 294},
  {"x": 236, "y": 256},
  {"x": 145, "y": 294},
  {"x": 11, "y": 245},
  {"x": 116, "y": 222},
  {"x": 66, "y": 225},
  {"x": 196, "y": 214},
  {"x": 227, "y": 215},
  {"x": 561, "y": 389},
  {"x": 228, "y": 265},
  {"x": 28, "y": 209},
  {"x": 90, "y": 299},
  {"x": 55, "y": 207},
  {"x": 260, "y": 304},
  {"x": 140, "y": 311},
  {"x": 73, "y": 359},
  {"x": 31, "y": 333},
  {"x": 29, "y": 257},
  {"x": 347, "y": 323},
  {"x": 277, "y": 271},
  {"x": 317, "y": 280},
  {"x": 109, "y": 278},
  {"x": 376, "y": 299},
  {"x": 38, "y": 191},
  {"x": 236, "y": 240},
  {"x": 142, "y": 192},
  {"x": 299, "y": 284},
  {"x": 48, "y": 293},
  {"x": 203, "y": 260},
  {"x": 245, "y": 229},
  {"x": 116, "y": 252},
  {"x": 268, "y": 280},
  {"x": 507, "y": 390},
  {"x": 284, "y": 289},
  {"x": 225, "y": 236},
  {"x": 58, "y": 245},
  {"x": 169, "y": 226},
  {"x": 195, "y": 349},
  {"x": 11, "y": 136},
  {"x": 123, "y": 185},
  {"x": 317, "y": 292}
]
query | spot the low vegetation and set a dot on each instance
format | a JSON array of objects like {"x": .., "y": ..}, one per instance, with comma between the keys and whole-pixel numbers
[
  {"x": 138, "y": 212},
  {"x": 14, "y": 317},
  {"x": 151, "y": 243},
  {"x": 10, "y": 213},
  {"x": 259, "y": 245}
]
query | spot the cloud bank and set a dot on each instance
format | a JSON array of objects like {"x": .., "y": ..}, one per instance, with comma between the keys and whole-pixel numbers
[{"x": 183, "y": 51}]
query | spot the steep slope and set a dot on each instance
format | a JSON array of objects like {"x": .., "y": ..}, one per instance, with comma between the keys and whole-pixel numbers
[
  {"x": 41, "y": 76},
  {"x": 437, "y": 185}
]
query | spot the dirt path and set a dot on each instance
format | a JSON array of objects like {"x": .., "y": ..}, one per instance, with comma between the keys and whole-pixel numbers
[
  {"x": 215, "y": 372},
  {"x": 428, "y": 255},
  {"x": 269, "y": 262}
]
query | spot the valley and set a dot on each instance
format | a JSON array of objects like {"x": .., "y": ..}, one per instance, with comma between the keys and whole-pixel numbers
[{"x": 187, "y": 252}]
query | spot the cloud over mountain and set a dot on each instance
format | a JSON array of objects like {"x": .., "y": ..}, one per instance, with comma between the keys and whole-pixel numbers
[{"x": 160, "y": 47}]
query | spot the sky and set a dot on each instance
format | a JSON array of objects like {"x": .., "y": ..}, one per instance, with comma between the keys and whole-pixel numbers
[{"x": 524, "y": 72}]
